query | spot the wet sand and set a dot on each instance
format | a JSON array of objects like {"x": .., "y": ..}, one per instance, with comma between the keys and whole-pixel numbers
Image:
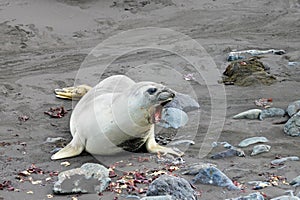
[{"x": 43, "y": 45}]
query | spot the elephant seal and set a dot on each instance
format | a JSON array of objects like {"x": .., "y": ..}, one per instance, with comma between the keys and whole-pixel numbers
[{"x": 117, "y": 114}]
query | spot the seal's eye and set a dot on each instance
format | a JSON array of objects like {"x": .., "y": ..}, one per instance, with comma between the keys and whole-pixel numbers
[{"x": 151, "y": 91}]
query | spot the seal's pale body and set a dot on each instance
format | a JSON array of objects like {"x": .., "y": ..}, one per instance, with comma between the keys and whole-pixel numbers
[{"x": 114, "y": 112}]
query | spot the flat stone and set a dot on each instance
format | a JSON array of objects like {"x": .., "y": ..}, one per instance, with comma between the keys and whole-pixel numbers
[
  {"x": 89, "y": 178},
  {"x": 176, "y": 187}
]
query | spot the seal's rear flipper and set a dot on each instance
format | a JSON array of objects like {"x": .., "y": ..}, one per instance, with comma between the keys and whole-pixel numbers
[{"x": 74, "y": 148}]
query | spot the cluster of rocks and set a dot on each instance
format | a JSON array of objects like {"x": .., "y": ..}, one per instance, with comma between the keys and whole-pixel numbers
[
  {"x": 291, "y": 127},
  {"x": 94, "y": 178}
]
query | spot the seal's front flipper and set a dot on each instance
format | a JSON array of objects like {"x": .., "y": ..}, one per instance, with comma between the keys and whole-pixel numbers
[
  {"x": 74, "y": 148},
  {"x": 153, "y": 147},
  {"x": 72, "y": 92}
]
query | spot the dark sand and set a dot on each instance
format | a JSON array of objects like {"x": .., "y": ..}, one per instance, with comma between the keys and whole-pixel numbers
[{"x": 43, "y": 44}]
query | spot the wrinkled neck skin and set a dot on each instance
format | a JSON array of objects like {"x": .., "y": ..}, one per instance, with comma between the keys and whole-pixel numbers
[{"x": 131, "y": 114}]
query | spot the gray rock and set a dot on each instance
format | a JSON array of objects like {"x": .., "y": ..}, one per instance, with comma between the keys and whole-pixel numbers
[
  {"x": 177, "y": 187},
  {"x": 252, "y": 196},
  {"x": 293, "y": 108},
  {"x": 211, "y": 175},
  {"x": 89, "y": 178},
  {"x": 271, "y": 112},
  {"x": 292, "y": 126}
]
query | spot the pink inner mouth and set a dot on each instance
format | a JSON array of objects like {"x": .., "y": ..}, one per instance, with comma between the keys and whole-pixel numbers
[{"x": 157, "y": 114}]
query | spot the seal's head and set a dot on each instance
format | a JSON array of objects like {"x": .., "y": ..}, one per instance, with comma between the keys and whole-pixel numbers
[{"x": 146, "y": 102}]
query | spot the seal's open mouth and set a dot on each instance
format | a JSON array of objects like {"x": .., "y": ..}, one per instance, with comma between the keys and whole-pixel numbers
[{"x": 157, "y": 111}]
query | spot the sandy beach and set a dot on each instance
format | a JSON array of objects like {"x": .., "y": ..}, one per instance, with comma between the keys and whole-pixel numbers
[{"x": 47, "y": 44}]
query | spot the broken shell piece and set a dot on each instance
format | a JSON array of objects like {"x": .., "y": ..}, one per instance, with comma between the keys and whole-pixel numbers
[
  {"x": 252, "y": 140},
  {"x": 54, "y": 140},
  {"x": 36, "y": 182},
  {"x": 249, "y": 114},
  {"x": 261, "y": 148},
  {"x": 66, "y": 163}
]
